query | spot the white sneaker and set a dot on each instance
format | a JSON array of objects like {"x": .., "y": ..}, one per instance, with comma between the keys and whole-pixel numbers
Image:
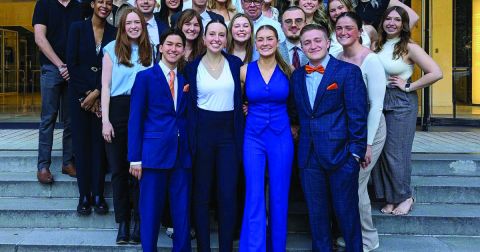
[
  {"x": 169, "y": 232},
  {"x": 365, "y": 249},
  {"x": 341, "y": 242}
]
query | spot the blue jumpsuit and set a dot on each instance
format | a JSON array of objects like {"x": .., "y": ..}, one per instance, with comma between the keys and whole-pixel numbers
[{"x": 268, "y": 140}]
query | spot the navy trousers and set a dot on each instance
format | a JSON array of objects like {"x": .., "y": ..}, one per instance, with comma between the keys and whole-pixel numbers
[
  {"x": 153, "y": 195},
  {"x": 88, "y": 148},
  {"x": 216, "y": 161},
  {"x": 338, "y": 188}
]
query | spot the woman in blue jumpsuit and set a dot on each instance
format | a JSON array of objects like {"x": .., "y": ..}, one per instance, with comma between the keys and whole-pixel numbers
[{"x": 268, "y": 140}]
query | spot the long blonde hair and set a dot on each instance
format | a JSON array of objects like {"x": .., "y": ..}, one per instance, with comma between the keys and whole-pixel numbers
[
  {"x": 249, "y": 43},
  {"x": 278, "y": 57},
  {"x": 212, "y": 4}
]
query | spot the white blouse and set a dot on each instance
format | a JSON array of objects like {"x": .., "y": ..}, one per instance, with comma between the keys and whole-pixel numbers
[{"x": 215, "y": 94}]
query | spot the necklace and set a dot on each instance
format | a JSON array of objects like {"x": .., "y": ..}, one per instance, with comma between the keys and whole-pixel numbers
[{"x": 210, "y": 66}]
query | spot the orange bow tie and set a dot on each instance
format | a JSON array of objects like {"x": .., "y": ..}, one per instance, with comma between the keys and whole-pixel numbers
[{"x": 311, "y": 69}]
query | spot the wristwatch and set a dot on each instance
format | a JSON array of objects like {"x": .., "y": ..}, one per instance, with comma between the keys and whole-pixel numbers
[{"x": 407, "y": 87}]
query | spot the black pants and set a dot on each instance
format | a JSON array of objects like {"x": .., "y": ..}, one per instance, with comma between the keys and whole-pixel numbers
[
  {"x": 88, "y": 149},
  {"x": 216, "y": 162},
  {"x": 125, "y": 186}
]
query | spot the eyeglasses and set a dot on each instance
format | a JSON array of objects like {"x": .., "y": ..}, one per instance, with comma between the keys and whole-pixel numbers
[
  {"x": 298, "y": 21},
  {"x": 255, "y": 2}
]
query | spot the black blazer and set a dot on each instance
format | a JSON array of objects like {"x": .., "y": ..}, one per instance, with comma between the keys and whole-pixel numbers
[
  {"x": 84, "y": 65},
  {"x": 190, "y": 73},
  {"x": 162, "y": 26},
  {"x": 213, "y": 16}
]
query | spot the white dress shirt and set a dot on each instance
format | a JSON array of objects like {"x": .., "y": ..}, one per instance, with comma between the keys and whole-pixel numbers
[
  {"x": 262, "y": 20},
  {"x": 205, "y": 19},
  {"x": 153, "y": 31}
]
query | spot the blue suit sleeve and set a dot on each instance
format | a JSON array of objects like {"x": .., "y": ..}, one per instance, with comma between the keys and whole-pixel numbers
[
  {"x": 138, "y": 107},
  {"x": 356, "y": 108}
]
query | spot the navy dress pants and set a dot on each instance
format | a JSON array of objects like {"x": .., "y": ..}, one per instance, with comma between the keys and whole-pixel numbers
[
  {"x": 216, "y": 162},
  {"x": 154, "y": 185},
  {"x": 337, "y": 188}
]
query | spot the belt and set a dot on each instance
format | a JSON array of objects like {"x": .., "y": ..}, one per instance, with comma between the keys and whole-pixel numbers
[{"x": 95, "y": 69}]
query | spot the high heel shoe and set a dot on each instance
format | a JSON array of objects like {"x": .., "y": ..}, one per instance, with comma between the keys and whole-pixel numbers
[
  {"x": 123, "y": 234},
  {"x": 100, "y": 205},
  {"x": 135, "y": 237},
  {"x": 84, "y": 208}
]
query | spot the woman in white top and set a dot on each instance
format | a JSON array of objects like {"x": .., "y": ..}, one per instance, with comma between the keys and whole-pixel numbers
[
  {"x": 398, "y": 55},
  {"x": 335, "y": 9},
  {"x": 224, "y": 8},
  {"x": 216, "y": 135},
  {"x": 348, "y": 30}
]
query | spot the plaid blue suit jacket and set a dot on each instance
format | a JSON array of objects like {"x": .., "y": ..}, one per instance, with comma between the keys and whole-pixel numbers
[{"x": 336, "y": 126}]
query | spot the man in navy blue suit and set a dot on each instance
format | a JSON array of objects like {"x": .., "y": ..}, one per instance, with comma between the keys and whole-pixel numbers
[
  {"x": 157, "y": 144},
  {"x": 331, "y": 103}
]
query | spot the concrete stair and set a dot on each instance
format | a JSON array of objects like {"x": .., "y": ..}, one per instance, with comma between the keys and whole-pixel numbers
[{"x": 34, "y": 217}]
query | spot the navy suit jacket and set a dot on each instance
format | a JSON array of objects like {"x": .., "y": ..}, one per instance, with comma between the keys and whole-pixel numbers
[
  {"x": 157, "y": 133},
  {"x": 162, "y": 26},
  {"x": 84, "y": 65},
  {"x": 239, "y": 120},
  {"x": 336, "y": 127},
  {"x": 213, "y": 16}
]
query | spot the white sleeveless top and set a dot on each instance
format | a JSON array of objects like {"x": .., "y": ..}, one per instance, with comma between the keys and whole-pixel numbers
[
  {"x": 394, "y": 66},
  {"x": 215, "y": 94}
]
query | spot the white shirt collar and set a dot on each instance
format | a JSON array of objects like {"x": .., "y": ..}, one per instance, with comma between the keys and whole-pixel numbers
[
  {"x": 290, "y": 45},
  {"x": 152, "y": 22},
  {"x": 166, "y": 70},
  {"x": 205, "y": 15},
  {"x": 259, "y": 19},
  {"x": 324, "y": 62}
]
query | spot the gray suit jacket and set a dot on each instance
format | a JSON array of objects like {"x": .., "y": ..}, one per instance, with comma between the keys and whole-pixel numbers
[{"x": 283, "y": 49}]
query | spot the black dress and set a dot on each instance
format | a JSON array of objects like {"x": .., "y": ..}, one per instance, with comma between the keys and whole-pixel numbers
[{"x": 371, "y": 15}]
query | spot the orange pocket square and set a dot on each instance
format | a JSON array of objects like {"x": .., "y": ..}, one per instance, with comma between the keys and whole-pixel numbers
[
  {"x": 186, "y": 87},
  {"x": 332, "y": 86}
]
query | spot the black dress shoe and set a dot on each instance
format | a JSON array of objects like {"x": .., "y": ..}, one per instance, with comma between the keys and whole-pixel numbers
[
  {"x": 135, "y": 237},
  {"x": 100, "y": 205},
  {"x": 84, "y": 207},
  {"x": 123, "y": 233}
]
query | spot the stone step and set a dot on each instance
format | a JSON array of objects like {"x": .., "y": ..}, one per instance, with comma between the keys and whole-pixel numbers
[
  {"x": 461, "y": 165},
  {"x": 426, "y": 189},
  {"x": 424, "y": 219},
  {"x": 422, "y": 164},
  {"x": 103, "y": 240},
  {"x": 25, "y": 184},
  {"x": 449, "y": 189}
]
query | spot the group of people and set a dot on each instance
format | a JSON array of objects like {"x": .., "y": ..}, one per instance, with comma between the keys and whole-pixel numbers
[{"x": 185, "y": 103}]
